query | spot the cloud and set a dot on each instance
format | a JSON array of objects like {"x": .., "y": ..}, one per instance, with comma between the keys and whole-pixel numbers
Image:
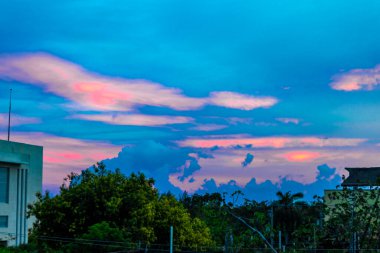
[
  {"x": 88, "y": 89},
  {"x": 188, "y": 169},
  {"x": 195, "y": 170},
  {"x": 159, "y": 161},
  {"x": 301, "y": 156},
  {"x": 325, "y": 172},
  {"x": 240, "y": 101},
  {"x": 102, "y": 93},
  {"x": 357, "y": 79},
  {"x": 208, "y": 127},
  {"x": 268, "y": 142},
  {"x": 289, "y": 120},
  {"x": 248, "y": 159},
  {"x": 236, "y": 120},
  {"x": 267, "y": 190},
  {"x": 64, "y": 155},
  {"x": 134, "y": 119},
  {"x": 270, "y": 164},
  {"x": 17, "y": 120}
]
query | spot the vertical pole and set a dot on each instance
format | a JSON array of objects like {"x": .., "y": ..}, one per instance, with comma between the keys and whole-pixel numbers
[
  {"x": 9, "y": 113},
  {"x": 315, "y": 241},
  {"x": 279, "y": 240},
  {"x": 171, "y": 239},
  {"x": 271, "y": 221}
]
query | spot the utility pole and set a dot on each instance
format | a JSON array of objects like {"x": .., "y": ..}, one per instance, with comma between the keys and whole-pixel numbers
[{"x": 271, "y": 222}]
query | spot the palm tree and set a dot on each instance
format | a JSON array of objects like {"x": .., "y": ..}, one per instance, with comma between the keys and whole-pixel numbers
[
  {"x": 287, "y": 218},
  {"x": 288, "y": 199}
]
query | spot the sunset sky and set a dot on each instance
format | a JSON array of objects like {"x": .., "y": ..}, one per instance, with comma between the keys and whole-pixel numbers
[{"x": 202, "y": 95}]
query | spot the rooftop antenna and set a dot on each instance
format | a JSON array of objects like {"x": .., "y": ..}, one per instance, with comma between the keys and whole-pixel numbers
[{"x": 9, "y": 113}]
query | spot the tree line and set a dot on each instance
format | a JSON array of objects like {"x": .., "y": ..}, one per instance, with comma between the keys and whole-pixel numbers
[{"x": 100, "y": 210}]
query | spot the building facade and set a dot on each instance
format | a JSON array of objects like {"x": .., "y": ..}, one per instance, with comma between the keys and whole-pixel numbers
[{"x": 20, "y": 180}]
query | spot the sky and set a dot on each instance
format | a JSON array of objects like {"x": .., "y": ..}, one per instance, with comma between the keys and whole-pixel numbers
[{"x": 202, "y": 95}]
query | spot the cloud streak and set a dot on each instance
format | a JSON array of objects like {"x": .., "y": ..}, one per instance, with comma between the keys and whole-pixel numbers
[
  {"x": 269, "y": 142},
  {"x": 289, "y": 120},
  {"x": 357, "y": 79},
  {"x": 102, "y": 93},
  {"x": 17, "y": 120},
  {"x": 240, "y": 101},
  {"x": 134, "y": 119}
]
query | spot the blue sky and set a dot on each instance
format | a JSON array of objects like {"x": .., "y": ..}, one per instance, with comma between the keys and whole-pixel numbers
[{"x": 187, "y": 91}]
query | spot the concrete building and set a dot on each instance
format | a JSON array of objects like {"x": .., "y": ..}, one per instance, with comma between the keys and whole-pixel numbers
[{"x": 20, "y": 179}]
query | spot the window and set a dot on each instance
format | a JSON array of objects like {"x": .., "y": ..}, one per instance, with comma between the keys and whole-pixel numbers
[
  {"x": 3, "y": 221},
  {"x": 4, "y": 184}
]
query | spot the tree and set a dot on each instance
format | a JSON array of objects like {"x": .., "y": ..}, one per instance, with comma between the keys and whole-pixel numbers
[
  {"x": 208, "y": 208},
  {"x": 353, "y": 211},
  {"x": 129, "y": 204},
  {"x": 288, "y": 199},
  {"x": 287, "y": 213}
]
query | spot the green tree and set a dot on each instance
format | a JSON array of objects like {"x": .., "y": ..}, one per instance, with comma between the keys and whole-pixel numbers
[
  {"x": 287, "y": 214},
  {"x": 352, "y": 211},
  {"x": 101, "y": 237},
  {"x": 129, "y": 204},
  {"x": 208, "y": 208}
]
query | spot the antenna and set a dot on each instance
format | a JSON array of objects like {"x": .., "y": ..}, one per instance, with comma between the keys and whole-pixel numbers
[{"x": 9, "y": 113}]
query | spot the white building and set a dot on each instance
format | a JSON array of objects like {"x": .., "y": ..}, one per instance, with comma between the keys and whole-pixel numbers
[{"x": 20, "y": 180}]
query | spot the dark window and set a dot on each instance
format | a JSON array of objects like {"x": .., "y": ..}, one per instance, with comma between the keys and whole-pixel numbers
[
  {"x": 4, "y": 184},
  {"x": 3, "y": 244},
  {"x": 3, "y": 221}
]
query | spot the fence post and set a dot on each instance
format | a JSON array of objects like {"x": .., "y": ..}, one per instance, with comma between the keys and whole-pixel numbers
[{"x": 171, "y": 239}]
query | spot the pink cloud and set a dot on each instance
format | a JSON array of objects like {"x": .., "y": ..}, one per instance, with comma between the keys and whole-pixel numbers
[
  {"x": 240, "y": 101},
  {"x": 236, "y": 120},
  {"x": 357, "y": 79},
  {"x": 64, "y": 155},
  {"x": 208, "y": 127},
  {"x": 88, "y": 89},
  {"x": 271, "y": 164},
  {"x": 269, "y": 142},
  {"x": 135, "y": 119},
  {"x": 98, "y": 92},
  {"x": 301, "y": 156},
  {"x": 289, "y": 120},
  {"x": 17, "y": 120}
]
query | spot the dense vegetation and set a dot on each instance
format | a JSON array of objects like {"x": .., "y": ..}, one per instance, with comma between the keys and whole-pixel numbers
[{"x": 103, "y": 211}]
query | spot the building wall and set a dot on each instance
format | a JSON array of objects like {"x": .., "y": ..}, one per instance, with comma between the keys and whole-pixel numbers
[
  {"x": 25, "y": 180},
  {"x": 331, "y": 202}
]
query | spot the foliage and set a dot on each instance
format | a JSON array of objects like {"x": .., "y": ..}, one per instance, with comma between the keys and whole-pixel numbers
[
  {"x": 353, "y": 210},
  {"x": 101, "y": 237},
  {"x": 208, "y": 208},
  {"x": 130, "y": 208},
  {"x": 108, "y": 207}
]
